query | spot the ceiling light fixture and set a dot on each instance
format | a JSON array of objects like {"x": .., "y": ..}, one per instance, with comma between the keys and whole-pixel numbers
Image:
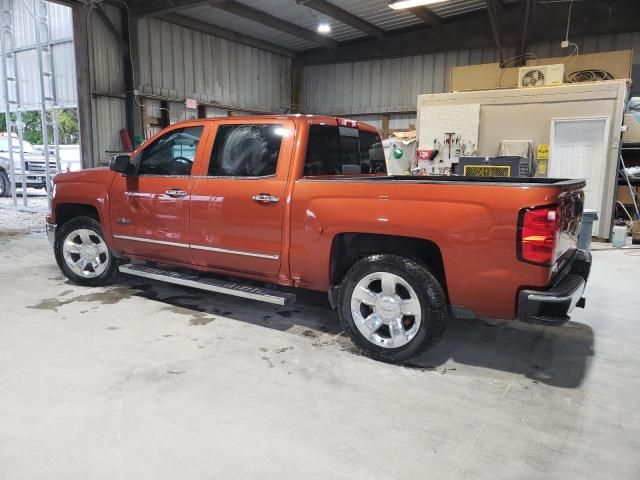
[
  {"x": 324, "y": 28},
  {"x": 402, "y": 4}
]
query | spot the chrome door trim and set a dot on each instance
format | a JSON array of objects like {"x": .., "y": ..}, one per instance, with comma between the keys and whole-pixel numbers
[
  {"x": 149, "y": 240},
  {"x": 200, "y": 247},
  {"x": 236, "y": 252}
]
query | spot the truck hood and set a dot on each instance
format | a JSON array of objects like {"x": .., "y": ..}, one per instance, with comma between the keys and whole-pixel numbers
[{"x": 90, "y": 175}]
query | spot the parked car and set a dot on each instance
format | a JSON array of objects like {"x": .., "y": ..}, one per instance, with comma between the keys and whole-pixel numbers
[
  {"x": 34, "y": 160},
  {"x": 304, "y": 201}
]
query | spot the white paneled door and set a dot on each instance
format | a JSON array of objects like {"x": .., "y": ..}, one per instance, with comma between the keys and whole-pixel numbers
[{"x": 579, "y": 150}]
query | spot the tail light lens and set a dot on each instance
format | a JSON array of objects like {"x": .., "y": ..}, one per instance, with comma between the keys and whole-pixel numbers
[{"x": 538, "y": 232}]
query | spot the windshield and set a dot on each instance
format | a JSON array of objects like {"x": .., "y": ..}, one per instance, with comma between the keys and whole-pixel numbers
[{"x": 4, "y": 145}]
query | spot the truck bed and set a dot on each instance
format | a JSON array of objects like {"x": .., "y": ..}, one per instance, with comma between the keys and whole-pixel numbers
[{"x": 454, "y": 179}]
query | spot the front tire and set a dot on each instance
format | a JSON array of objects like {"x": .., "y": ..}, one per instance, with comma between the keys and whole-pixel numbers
[
  {"x": 5, "y": 184},
  {"x": 392, "y": 307},
  {"x": 83, "y": 255}
]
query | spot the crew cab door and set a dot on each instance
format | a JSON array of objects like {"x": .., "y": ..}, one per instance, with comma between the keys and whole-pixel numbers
[
  {"x": 150, "y": 210},
  {"x": 238, "y": 203}
]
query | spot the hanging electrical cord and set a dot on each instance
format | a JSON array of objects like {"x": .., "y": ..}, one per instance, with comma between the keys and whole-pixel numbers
[
  {"x": 566, "y": 37},
  {"x": 92, "y": 4},
  {"x": 590, "y": 75},
  {"x": 509, "y": 62}
]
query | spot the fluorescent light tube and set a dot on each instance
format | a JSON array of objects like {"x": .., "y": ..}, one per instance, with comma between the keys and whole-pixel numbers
[{"x": 401, "y": 4}]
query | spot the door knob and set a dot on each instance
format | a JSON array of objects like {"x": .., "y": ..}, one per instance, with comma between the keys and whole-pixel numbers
[
  {"x": 176, "y": 193},
  {"x": 265, "y": 198}
]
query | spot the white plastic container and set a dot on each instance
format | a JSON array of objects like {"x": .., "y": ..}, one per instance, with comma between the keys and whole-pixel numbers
[{"x": 619, "y": 236}]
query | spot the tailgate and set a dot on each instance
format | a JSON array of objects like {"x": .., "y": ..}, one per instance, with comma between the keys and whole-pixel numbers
[{"x": 571, "y": 203}]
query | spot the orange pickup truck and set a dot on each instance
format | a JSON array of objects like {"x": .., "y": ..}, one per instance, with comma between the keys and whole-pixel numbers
[{"x": 304, "y": 201}]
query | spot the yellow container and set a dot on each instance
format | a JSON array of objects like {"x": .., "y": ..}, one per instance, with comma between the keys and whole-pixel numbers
[{"x": 542, "y": 167}]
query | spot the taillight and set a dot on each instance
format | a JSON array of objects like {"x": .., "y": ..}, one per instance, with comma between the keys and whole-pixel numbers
[
  {"x": 345, "y": 122},
  {"x": 538, "y": 231}
]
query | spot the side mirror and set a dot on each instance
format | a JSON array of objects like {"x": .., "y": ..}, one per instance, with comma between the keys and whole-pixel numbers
[{"x": 122, "y": 164}]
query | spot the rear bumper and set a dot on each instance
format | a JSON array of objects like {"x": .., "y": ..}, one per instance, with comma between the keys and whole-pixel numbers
[{"x": 553, "y": 305}]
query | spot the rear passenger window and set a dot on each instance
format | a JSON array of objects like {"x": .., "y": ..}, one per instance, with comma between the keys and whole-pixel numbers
[
  {"x": 334, "y": 150},
  {"x": 246, "y": 150}
]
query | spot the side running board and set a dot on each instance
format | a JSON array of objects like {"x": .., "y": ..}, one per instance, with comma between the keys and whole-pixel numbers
[{"x": 209, "y": 284}]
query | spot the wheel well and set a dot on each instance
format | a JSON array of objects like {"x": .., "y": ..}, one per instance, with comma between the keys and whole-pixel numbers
[
  {"x": 348, "y": 248},
  {"x": 67, "y": 211}
]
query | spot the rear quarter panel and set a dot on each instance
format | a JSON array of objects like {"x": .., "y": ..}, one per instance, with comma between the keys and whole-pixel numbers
[{"x": 474, "y": 226}]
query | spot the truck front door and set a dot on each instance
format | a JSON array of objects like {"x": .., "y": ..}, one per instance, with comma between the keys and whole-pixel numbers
[
  {"x": 150, "y": 210},
  {"x": 237, "y": 205}
]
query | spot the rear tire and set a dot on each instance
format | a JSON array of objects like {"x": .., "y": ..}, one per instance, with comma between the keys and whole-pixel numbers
[
  {"x": 5, "y": 184},
  {"x": 392, "y": 307},
  {"x": 83, "y": 255}
]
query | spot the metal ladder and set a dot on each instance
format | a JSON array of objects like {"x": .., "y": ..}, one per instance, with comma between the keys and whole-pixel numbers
[
  {"x": 48, "y": 94},
  {"x": 39, "y": 11},
  {"x": 9, "y": 84}
]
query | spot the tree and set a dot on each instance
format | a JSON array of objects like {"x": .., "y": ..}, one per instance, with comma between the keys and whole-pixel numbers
[{"x": 67, "y": 126}]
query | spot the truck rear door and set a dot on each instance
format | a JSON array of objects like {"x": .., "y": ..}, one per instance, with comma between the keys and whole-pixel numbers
[{"x": 237, "y": 205}]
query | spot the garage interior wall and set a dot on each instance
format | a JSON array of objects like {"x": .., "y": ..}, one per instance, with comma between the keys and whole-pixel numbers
[
  {"x": 373, "y": 87},
  {"x": 108, "y": 104},
  {"x": 526, "y": 114},
  {"x": 178, "y": 63}
]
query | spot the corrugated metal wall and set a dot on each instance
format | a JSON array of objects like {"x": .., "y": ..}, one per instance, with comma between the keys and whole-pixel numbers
[
  {"x": 24, "y": 41},
  {"x": 178, "y": 63},
  {"x": 392, "y": 85},
  {"x": 106, "y": 64},
  {"x": 108, "y": 107},
  {"x": 108, "y": 117}
]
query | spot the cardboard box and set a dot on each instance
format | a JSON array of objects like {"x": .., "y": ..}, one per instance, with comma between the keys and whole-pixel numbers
[
  {"x": 624, "y": 195},
  {"x": 488, "y": 76},
  {"x": 635, "y": 232}
]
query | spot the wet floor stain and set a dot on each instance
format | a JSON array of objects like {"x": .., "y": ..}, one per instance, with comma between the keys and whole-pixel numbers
[
  {"x": 198, "y": 317},
  {"x": 200, "y": 320},
  {"x": 107, "y": 297}
]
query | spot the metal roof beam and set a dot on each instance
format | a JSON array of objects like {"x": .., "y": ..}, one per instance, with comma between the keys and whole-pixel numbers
[
  {"x": 258, "y": 16},
  {"x": 161, "y": 7},
  {"x": 343, "y": 16},
  {"x": 426, "y": 15},
  {"x": 592, "y": 18}
]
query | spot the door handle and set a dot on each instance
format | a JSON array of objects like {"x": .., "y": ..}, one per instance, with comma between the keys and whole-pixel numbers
[
  {"x": 265, "y": 198},
  {"x": 176, "y": 193}
]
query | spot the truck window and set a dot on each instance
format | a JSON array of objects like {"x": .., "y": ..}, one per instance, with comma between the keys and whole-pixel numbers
[
  {"x": 246, "y": 150},
  {"x": 334, "y": 150},
  {"x": 372, "y": 153},
  {"x": 171, "y": 154}
]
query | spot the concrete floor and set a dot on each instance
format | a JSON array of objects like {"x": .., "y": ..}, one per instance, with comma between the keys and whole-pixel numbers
[{"x": 146, "y": 381}]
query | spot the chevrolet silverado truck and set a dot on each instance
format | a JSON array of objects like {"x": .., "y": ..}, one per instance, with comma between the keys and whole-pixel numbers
[{"x": 304, "y": 201}]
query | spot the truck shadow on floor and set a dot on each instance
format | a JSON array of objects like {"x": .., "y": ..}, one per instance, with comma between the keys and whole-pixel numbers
[{"x": 557, "y": 356}]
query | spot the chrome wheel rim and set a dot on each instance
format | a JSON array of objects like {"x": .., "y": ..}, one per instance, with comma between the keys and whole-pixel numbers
[
  {"x": 85, "y": 253},
  {"x": 386, "y": 309}
]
